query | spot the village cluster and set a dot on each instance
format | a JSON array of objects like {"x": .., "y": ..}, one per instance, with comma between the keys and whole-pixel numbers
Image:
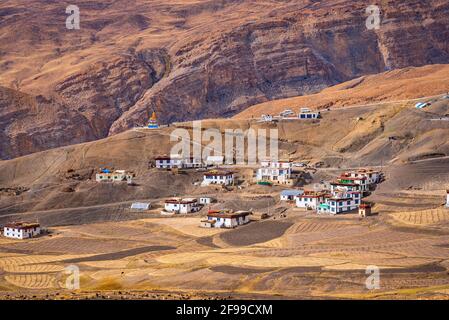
[{"x": 343, "y": 195}]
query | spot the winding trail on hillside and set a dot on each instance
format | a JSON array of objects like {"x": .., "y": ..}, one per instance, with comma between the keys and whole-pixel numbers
[{"x": 379, "y": 104}]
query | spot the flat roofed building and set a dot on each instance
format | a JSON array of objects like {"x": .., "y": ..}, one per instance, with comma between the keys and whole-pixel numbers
[
  {"x": 277, "y": 172},
  {"x": 340, "y": 204},
  {"x": 114, "y": 176},
  {"x": 225, "y": 219},
  {"x": 362, "y": 181},
  {"x": 372, "y": 176},
  {"x": 337, "y": 186},
  {"x": 276, "y": 164},
  {"x": 169, "y": 162},
  {"x": 365, "y": 210},
  {"x": 182, "y": 206},
  {"x": 192, "y": 162},
  {"x": 310, "y": 199},
  {"x": 289, "y": 195},
  {"x": 178, "y": 162},
  {"x": 225, "y": 178},
  {"x": 337, "y": 206},
  {"x": 206, "y": 200},
  {"x": 308, "y": 114},
  {"x": 266, "y": 118},
  {"x": 21, "y": 230}
]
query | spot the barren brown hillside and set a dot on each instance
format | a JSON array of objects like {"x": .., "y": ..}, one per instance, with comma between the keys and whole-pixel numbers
[{"x": 189, "y": 59}]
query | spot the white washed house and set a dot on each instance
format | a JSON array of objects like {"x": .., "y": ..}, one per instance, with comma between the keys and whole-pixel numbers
[
  {"x": 176, "y": 161},
  {"x": 206, "y": 200},
  {"x": 290, "y": 195},
  {"x": 337, "y": 186},
  {"x": 114, "y": 176},
  {"x": 191, "y": 163},
  {"x": 340, "y": 204},
  {"x": 276, "y": 164},
  {"x": 21, "y": 230},
  {"x": 278, "y": 172},
  {"x": 223, "y": 219},
  {"x": 266, "y": 118},
  {"x": 225, "y": 178},
  {"x": 360, "y": 180},
  {"x": 306, "y": 113},
  {"x": 182, "y": 206},
  {"x": 310, "y": 199},
  {"x": 372, "y": 176},
  {"x": 169, "y": 162}
]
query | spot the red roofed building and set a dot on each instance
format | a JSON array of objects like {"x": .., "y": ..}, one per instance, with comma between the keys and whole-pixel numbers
[
  {"x": 372, "y": 176},
  {"x": 365, "y": 210},
  {"x": 340, "y": 203},
  {"x": 346, "y": 179},
  {"x": 182, "y": 206},
  {"x": 225, "y": 219},
  {"x": 311, "y": 199}
]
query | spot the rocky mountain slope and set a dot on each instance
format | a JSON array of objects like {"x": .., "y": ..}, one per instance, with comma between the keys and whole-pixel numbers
[{"x": 189, "y": 59}]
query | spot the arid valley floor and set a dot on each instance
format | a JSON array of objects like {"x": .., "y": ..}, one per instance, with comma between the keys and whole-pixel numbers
[{"x": 295, "y": 254}]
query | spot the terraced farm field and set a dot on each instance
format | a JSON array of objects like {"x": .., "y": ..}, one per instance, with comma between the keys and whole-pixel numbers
[
  {"x": 424, "y": 217},
  {"x": 298, "y": 256}
]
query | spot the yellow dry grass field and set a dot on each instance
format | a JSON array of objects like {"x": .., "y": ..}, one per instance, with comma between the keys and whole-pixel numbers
[
  {"x": 108, "y": 264},
  {"x": 293, "y": 261},
  {"x": 32, "y": 281},
  {"x": 423, "y": 217},
  {"x": 310, "y": 248},
  {"x": 188, "y": 226},
  {"x": 21, "y": 262}
]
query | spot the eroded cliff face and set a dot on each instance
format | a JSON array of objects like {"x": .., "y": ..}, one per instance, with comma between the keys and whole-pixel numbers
[
  {"x": 107, "y": 89},
  {"x": 81, "y": 108},
  {"x": 190, "y": 61}
]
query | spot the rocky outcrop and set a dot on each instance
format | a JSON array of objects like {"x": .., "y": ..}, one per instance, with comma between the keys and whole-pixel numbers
[
  {"x": 83, "y": 106},
  {"x": 194, "y": 60},
  {"x": 292, "y": 54},
  {"x": 107, "y": 89}
]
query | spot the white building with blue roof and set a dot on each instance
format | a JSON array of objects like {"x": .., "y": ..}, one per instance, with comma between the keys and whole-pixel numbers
[{"x": 290, "y": 195}]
